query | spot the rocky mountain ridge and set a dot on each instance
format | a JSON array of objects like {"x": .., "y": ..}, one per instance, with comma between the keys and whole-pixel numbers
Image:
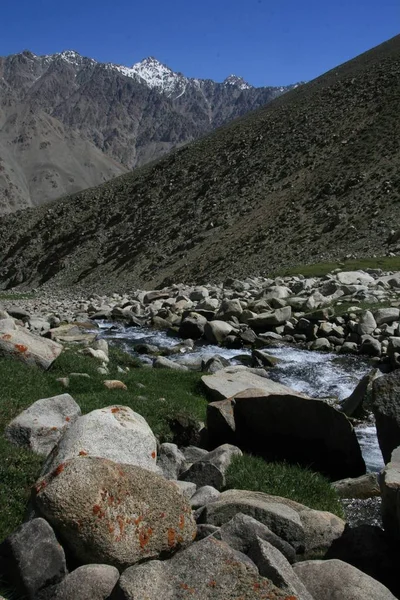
[
  {"x": 68, "y": 122},
  {"x": 311, "y": 177}
]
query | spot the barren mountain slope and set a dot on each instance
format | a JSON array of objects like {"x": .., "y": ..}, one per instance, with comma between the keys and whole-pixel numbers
[
  {"x": 311, "y": 176},
  {"x": 68, "y": 122}
]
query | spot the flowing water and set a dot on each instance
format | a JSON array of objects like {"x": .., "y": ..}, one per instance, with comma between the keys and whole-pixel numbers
[{"x": 316, "y": 374}]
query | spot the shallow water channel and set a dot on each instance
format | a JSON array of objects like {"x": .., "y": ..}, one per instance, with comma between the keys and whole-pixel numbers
[{"x": 316, "y": 374}]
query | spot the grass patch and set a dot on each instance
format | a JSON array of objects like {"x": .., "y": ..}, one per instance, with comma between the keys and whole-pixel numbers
[
  {"x": 165, "y": 394},
  {"x": 281, "y": 479},
  {"x": 386, "y": 263},
  {"x": 17, "y": 295}
]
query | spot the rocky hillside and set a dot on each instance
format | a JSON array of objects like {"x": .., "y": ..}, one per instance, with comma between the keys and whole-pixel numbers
[
  {"x": 314, "y": 175},
  {"x": 68, "y": 122}
]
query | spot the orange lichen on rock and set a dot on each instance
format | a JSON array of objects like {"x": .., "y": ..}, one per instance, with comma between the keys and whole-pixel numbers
[
  {"x": 121, "y": 524},
  {"x": 6, "y": 337},
  {"x": 21, "y": 348},
  {"x": 153, "y": 455},
  {"x": 212, "y": 583},
  {"x": 96, "y": 509},
  {"x": 58, "y": 470},
  {"x": 185, "y": 586},
  {"x": 40, "y": 486},
  {"x": 171, "y": 537},
  {"x": 67, "y": 419},
  {"x": 181, "y": 522},
  {"x": 144, "y": 536},
  {"x": 82, "y": 453}
]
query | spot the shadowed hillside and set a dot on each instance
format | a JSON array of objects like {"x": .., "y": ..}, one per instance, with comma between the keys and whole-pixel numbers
[{"x": 312, "y": 176}]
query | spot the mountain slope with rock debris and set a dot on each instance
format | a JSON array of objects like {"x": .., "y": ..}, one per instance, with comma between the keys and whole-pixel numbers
[{"x": 310, "y": 177}]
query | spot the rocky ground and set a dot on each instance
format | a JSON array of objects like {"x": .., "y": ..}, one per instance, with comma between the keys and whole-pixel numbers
[{"x": 114, "y": 496}]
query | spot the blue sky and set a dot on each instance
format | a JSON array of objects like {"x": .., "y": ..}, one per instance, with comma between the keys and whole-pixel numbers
[{"x": 268, "y": 42}]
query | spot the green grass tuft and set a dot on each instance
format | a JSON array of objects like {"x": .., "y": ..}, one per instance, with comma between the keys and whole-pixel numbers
[
  {"x": 386, "y": 263},
  {"x": 281, "y": 479}
]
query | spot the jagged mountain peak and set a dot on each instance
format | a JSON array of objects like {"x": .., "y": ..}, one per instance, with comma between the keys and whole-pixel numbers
[{"x": 237, "y": 81}]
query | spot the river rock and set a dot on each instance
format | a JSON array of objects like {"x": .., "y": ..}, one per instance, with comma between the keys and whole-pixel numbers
[
  {"x": 214, "y": 364},
  {"x": 367, "y": 323},
  {"x": 114, "y": 514},
  {"x": 386, "y": 409},
  {"x": 17, "y": 342},
  {"x": 32, "y": 559},
  {"x": 192, "y": 326},
  {"x": 279, "y": 423},
  {"x": 267, "y": 320},
  {"x": 230, "y": 308},
  {"x": 386, "y": 315},
  {"x": 366, "y": 486},
  {"x": 217, "y": 331},
  {"x": 336, "y": 580},
  {"x": 354, "y": 277},
  {"x": 165, "y": 363},
  {"x": 114, "y": 432},
  {"x": 209, "y": 570},
  {"x": 41, "y": 426},
  {"x": 353, "y": 404}
]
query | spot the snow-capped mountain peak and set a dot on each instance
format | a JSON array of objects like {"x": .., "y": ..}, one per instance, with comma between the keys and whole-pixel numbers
[
  {"x": 238, "y": 82},
  {"x": 157, "y": 76}
]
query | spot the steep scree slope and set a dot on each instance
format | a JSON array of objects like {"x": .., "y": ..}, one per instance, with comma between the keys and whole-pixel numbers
[{"x": 313, "y": 175}]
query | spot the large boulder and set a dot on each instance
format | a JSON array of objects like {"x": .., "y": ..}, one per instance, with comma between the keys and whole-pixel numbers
[
  {"x": 386, "y": 409},
  {"x": 19, "y": 343},
  {"x": 114, "y": 432},
  {"x": 208, "y": 570},
  {"x": 32, "y": 559},
  {"x": 40, "y": 427},
  {"x": 114, "y": 514},
  {"x": 279, "y": 423},
  {"x": 336, "y": 580},
  {"x": 230, "y": 381}
]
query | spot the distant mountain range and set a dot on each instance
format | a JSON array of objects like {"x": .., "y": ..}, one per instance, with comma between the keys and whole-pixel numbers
[
  {"x": 68, "y": 122},
  {"x": 311, "y": 177}
]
